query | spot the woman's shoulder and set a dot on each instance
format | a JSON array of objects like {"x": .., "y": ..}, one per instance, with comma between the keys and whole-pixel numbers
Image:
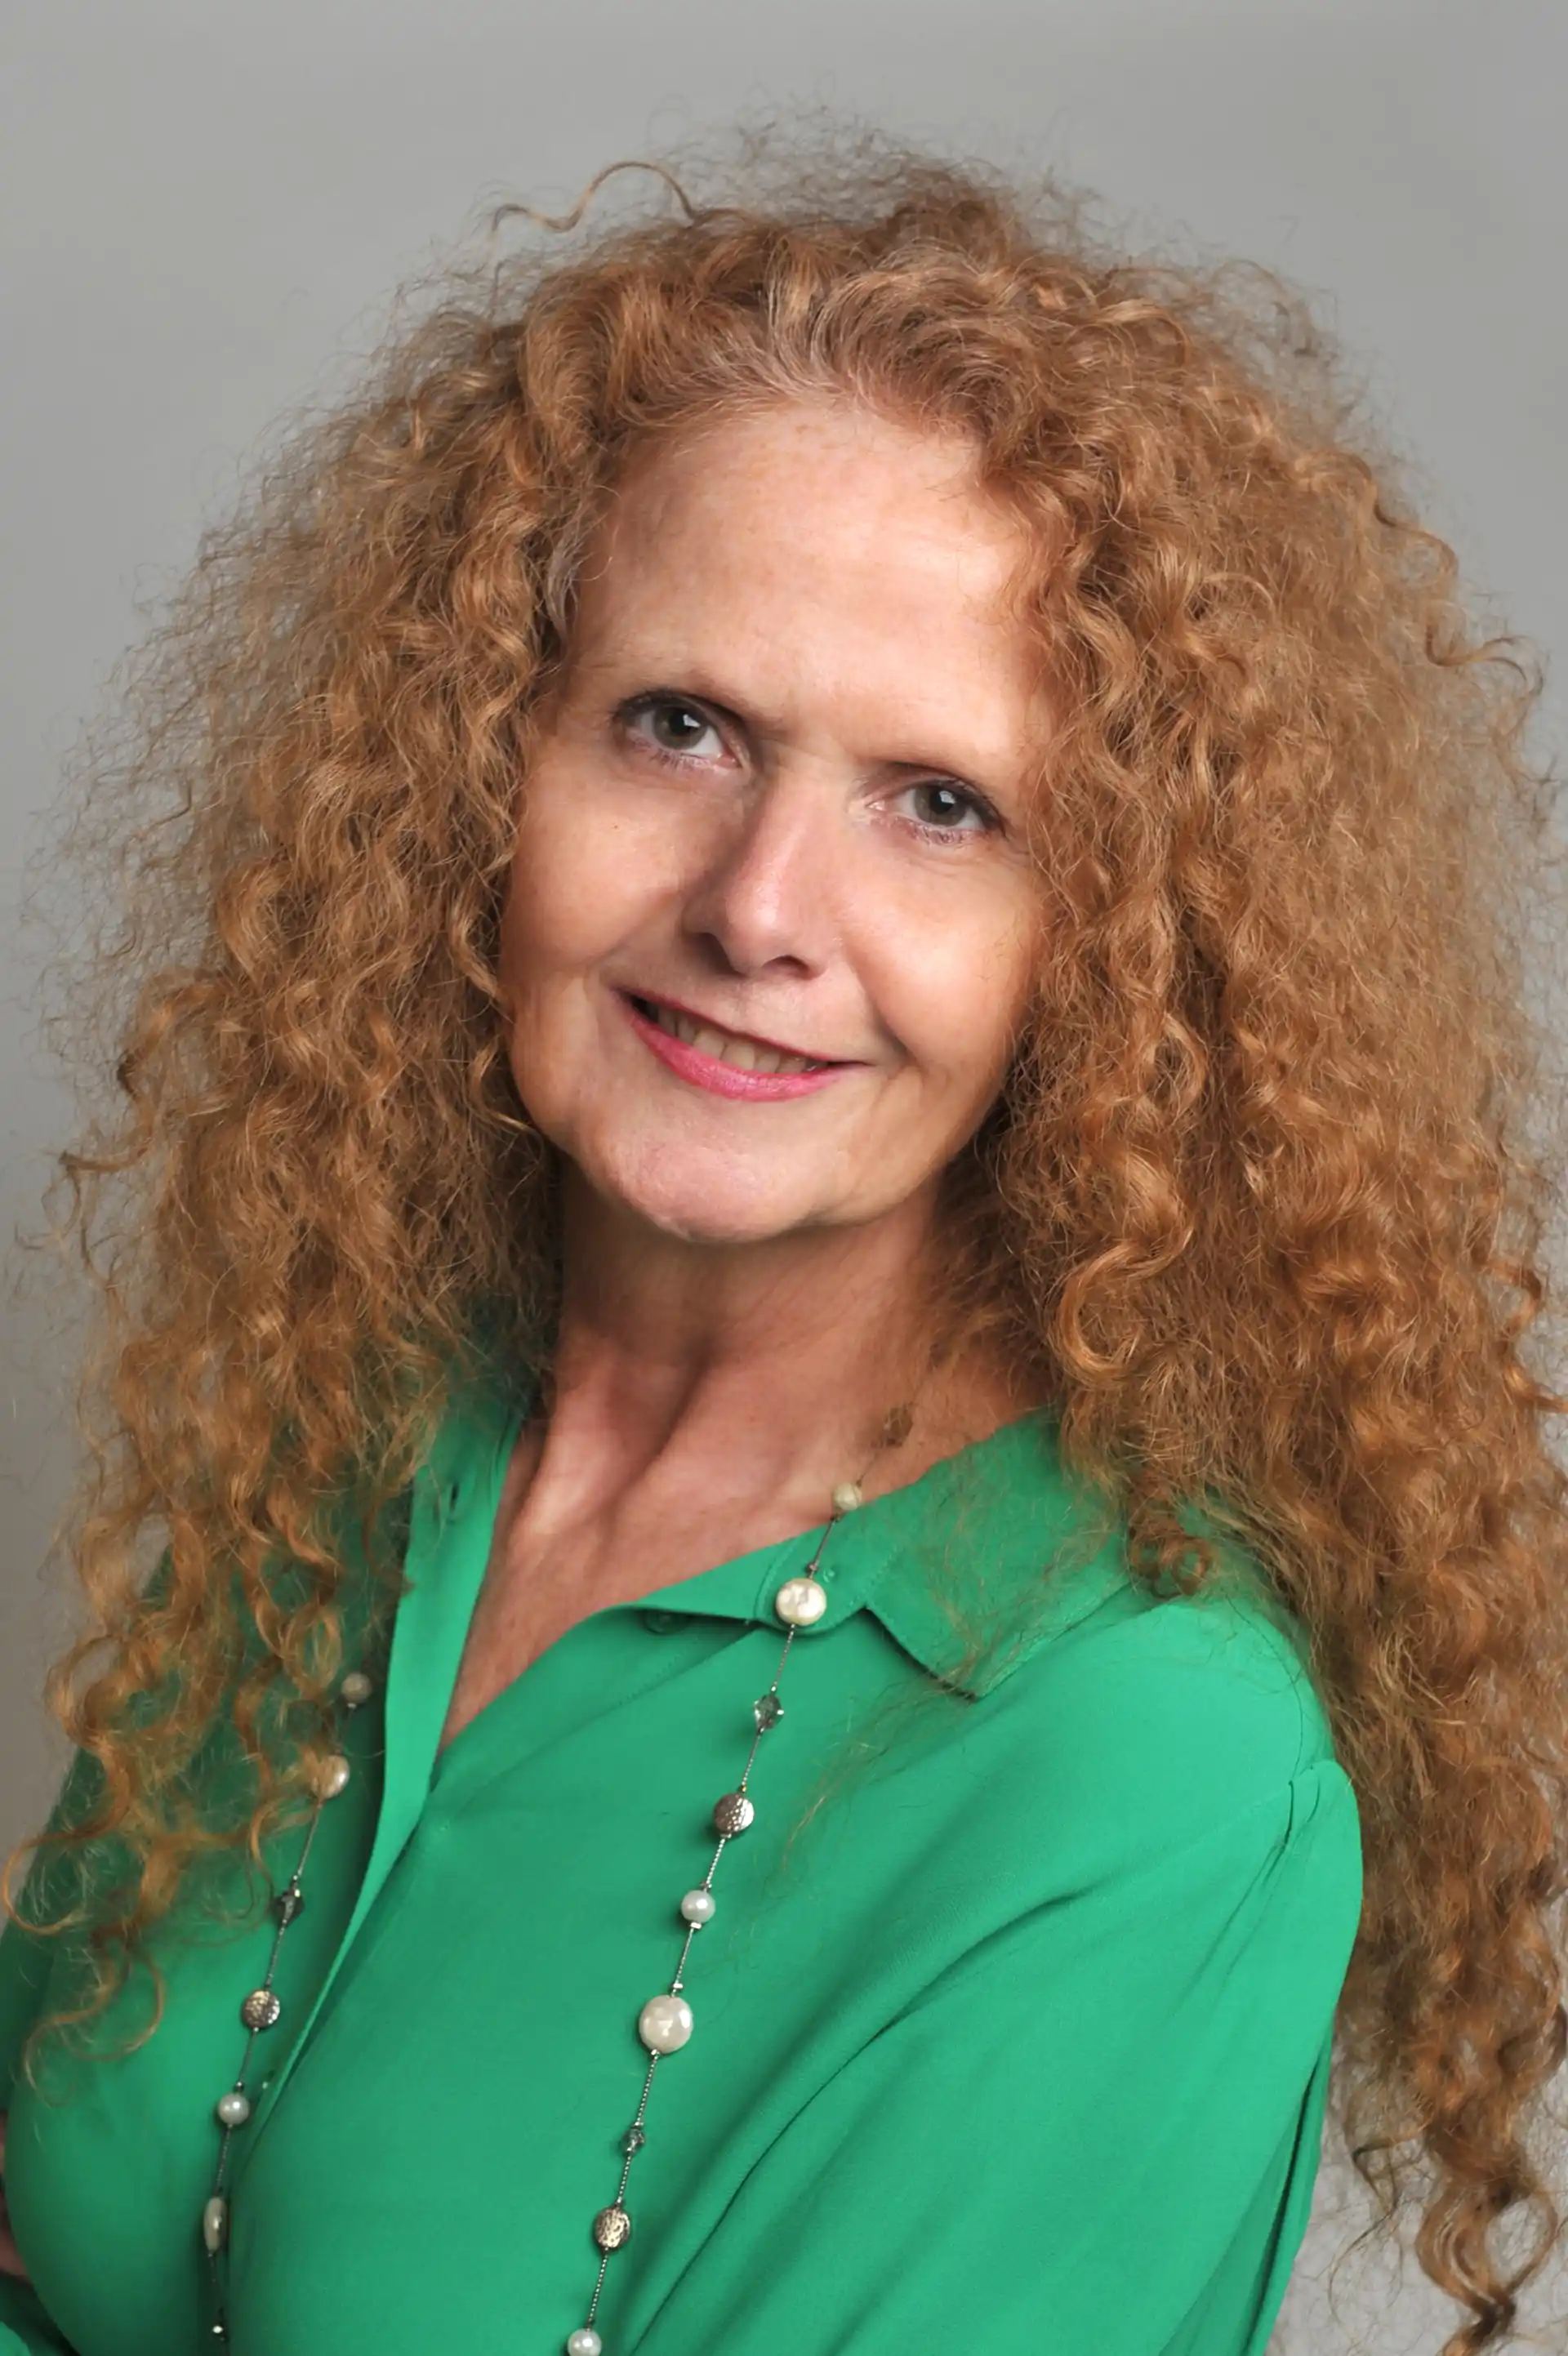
[
  {"x": 1126, "y": 1749},
  {"x": 1176, "y": 1710},
  {"x": 1024, "y": 1595}
]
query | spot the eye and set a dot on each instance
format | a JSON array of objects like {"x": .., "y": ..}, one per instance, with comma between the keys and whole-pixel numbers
[
  {"x": 672, "y": 726},
  {"x": 942, "y": 807}
]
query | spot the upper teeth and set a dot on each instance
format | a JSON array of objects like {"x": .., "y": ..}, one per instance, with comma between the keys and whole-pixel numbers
[{"x": 726, "y": 1046}]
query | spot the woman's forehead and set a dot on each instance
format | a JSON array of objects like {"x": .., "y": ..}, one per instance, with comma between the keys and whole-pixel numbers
[
  {"x": 848, "y": 543},
  {"x": 763, "y": 469}
]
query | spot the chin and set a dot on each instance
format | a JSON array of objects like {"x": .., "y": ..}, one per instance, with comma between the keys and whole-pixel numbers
[{"x": 729, "y": 1204}]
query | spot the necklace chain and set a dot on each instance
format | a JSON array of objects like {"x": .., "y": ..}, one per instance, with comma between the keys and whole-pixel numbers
[
  {"x": 665, "y": 2022},
  {"x": 263, "y": 2008}
]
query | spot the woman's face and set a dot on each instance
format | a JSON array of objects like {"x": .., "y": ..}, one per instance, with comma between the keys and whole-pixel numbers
[{"x": 771, "y": 922}]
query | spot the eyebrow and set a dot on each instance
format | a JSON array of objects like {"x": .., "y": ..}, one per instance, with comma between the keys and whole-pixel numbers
[
  {"x": 685, "y": 680},
  {"x": 714, "y": 703}
]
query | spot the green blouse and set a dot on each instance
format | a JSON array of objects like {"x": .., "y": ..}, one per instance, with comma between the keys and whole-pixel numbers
[{"x": 1011, "y": 2025}]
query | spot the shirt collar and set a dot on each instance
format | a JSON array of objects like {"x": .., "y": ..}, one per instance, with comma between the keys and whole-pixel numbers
[{"x": 969, "y": 1567}]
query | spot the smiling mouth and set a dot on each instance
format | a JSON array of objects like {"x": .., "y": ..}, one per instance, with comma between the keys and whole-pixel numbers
[{"x": 732, "y": 1048}]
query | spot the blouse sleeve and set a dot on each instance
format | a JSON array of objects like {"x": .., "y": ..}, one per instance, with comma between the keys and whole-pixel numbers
[
  {"x": 25, "y": 2328},
  {"x": 1097, "y": 2130}
]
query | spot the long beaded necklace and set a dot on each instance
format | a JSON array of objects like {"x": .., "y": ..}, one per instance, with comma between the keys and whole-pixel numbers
[
  {"x": 665, "y": 2022},
  {"x": 263, "y": 2008}
]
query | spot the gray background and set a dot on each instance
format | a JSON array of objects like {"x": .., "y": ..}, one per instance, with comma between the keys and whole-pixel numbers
[{"x": 205, "y": 204}]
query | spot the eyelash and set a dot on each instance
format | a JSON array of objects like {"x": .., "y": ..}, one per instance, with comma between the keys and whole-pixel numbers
[{"x": 639, "y": 707}]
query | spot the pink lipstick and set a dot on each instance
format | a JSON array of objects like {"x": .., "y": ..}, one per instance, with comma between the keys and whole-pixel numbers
[{"x": 710, "y": 1072}]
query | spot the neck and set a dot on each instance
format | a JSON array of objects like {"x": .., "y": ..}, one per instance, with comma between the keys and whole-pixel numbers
[{"x": 752, "y": 1369}]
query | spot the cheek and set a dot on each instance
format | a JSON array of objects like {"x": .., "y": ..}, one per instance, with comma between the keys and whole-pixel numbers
[
  {"x": 954, "y": 987},
  {"x": 578, "y": 887}
]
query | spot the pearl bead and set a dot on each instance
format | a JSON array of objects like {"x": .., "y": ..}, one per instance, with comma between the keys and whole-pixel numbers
[
  {"x": 332, "y": 1776},
  {"x": 355, "y": 1688},
  {"x": 215, "y": 2223},
  {"x": 664, "y": 2023},
  {"x": 585, "y": 2343},
  {"x": 847, "y": 1497},
  {"x": 800, "y": 1602},
  {"x": 233, "y": 2110},
  {"x": 697, "y": 1906}
]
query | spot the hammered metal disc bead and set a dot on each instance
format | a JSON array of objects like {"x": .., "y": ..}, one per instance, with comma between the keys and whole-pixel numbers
[
  {"x": 215, "y": 2223},
  {"x": 585, "y": 2342},
  {"x": 232, "y": 2110},
  {"x": 800, "y": 1602},
  {"x": 332, "y": 1776},
  {"x": 612, "y": 2227},
  {"x": 355, "y": 1689},
  {"x": 664, "y": 2023},
  {"x": 733, "y": 1814},
  {"x": 261, "y": 2009}
]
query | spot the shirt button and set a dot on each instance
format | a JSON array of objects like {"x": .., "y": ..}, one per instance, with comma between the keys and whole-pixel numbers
[{"x": 659, "y": 1623}]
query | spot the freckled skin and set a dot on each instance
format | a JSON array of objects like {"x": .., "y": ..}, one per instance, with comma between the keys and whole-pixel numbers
[{"x": 820, "y": 591}]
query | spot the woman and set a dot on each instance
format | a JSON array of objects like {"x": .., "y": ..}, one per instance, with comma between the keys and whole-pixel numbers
[{"x": 825, "y": 1336}]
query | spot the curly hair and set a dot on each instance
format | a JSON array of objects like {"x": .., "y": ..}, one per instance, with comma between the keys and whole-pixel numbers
[{"x": 1265, "y": 1207}]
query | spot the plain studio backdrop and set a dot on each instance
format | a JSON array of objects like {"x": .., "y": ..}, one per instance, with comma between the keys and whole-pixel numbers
[{"x": 205, "y": 206}]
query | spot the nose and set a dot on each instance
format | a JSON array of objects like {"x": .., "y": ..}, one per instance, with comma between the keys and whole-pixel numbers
[{"x": 766, "y": 900}]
